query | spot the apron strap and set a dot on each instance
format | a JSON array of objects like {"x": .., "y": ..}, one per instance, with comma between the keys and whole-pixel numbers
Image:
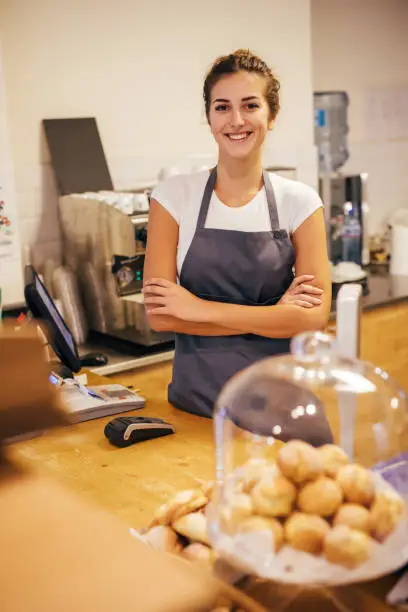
[
  {"x": 205, "y": 202},
  {"x": 270, "y": 197},
  {"x": 208, "y": 191}
]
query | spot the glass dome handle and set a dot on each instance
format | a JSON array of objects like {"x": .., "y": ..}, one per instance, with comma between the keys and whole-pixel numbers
[{"x": 312, "y": 347}]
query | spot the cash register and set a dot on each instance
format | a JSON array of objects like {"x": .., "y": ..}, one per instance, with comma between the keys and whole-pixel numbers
[{"x": 83, "y": 402}]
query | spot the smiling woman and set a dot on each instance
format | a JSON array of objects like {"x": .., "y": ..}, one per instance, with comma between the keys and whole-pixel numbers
[{"x": 231, "y": 238}]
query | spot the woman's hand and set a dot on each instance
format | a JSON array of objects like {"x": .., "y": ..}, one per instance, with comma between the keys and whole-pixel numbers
[
  {"x": 301, "y": 293},
  {"x": 163, "y": 297}
]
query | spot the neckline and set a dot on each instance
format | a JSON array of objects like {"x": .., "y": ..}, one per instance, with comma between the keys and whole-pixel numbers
[{"x": 243, "y": 206}]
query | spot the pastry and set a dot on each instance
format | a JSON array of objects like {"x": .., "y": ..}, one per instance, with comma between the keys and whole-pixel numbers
[
  {"x": 322, "y": 497},
  {"x": 300, "y": 462},
  {"x": 386, "y": 511},
  {"x": 333, "y": 459},
  {"x": 193, "y": 527},
  {"x": 259, "y": 524},
  {"x": 163, "y": 538},
  {"x": 206, "y": 486},
  {"x": 273, "y": 496},
  {"x": 240, "y": 505},
  {"x": 183, "y": 503},
  {"x": 252, "y": 471},
  {"x": 199, "y": 553},
  {"x": 357, "y": 484},
  {"x": 347, "y": 547},
  {"x": 354, "y": 516},
  {"x": 238, "y": 508},
  {"x": 306, "y": 532}
]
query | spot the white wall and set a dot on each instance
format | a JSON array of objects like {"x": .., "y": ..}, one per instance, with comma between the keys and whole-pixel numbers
[
  {"x": 361, "y": 46},
  {"x": 11, "y": 278},
  {"x": 138, "y": 67}
]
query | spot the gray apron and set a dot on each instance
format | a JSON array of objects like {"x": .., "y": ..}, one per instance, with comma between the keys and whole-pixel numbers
[
  {"x": 252, "y": 269},
  {"x": 248, "y": 268}
]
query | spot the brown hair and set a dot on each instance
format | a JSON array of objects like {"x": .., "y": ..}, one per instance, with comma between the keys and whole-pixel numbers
[{"x": 243, "y": 59}]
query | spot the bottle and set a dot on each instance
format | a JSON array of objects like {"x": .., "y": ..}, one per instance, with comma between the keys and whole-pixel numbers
[
  {"x": 351, "y": 236},
  {"x": 331, "y": 129}
]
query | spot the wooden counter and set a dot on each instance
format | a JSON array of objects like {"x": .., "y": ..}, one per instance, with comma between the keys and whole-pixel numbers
[
  {"x": 131, "y": 482},
  {"x": 384, "y": 339}
]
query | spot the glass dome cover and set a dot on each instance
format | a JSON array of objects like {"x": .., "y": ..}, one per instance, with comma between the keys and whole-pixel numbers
[{"x": 277, "y": 419}]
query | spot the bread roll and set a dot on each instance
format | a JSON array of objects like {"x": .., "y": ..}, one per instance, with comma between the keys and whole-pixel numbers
[
  {"x": 193, "y": 527},
  {"x": 347, "y": 547},
  {"x": 354, "y": 516},
  {"x": 386, "y": 511},
  {"x": 322, "y": 497},
  {"x": 274, "y": 495},
  {"x": 306, "y": 532},
  {"x": 333, "y": 459},
  {"x": 300, "y": 462},
  {"x": 357, "y": 484},
  {"x": 163, "y": 538},
  {"x": 199, "y": 553},
  {"x": 184, "y": 502}
]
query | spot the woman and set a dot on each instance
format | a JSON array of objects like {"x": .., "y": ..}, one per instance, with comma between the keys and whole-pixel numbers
[{"x": 232, "y": 236}]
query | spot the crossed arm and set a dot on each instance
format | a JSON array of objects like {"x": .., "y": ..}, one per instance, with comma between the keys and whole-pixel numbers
[{"x": 170, "y": 307}]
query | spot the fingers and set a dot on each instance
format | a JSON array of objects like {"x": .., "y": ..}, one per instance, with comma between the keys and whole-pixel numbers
[
  {"x": 308, "y": 298},
  {"x": 309, "y": 289},
  {"x": 159, "y": 282},
  {"x": 153, "y": 299},
  {"x": 302, "y": 279},
  {"x": 154, "y": 290},
  {"x": 162, "y": 310},
  {"x": 303, "y": 304}
]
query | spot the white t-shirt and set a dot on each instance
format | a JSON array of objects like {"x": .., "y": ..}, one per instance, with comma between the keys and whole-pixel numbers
[{"x": 181, "y": 196}]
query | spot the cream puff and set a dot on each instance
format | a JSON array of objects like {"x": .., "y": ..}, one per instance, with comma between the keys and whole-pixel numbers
[
  {"x": 260, "y": 524},
  {"x": 334, "y": 458},
  {"x": 274, "y": 495},
  {"x": 238, "y": 507},
  {"x": 354, "y": 516},
  {"x": 386, "y": 511},
  {"x": 251, "y": 473},
  {"x": 322, "y": 497},
  {"x": 347, "y": 547},
  {"x": 300, "y": 462},
  {"x": 306, "y": 532},
  {"x": 357, "y": 484}
]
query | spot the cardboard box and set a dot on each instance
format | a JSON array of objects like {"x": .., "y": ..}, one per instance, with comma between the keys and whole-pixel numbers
[{"x": 27, "y": 401}]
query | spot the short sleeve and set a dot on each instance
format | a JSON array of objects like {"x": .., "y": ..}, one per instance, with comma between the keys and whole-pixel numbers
[
  {"x": 305, "y": 201},
  {"x": 169, "y": 194}
]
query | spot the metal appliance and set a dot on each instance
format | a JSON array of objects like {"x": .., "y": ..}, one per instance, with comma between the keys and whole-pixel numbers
[
  {"x": 344, "y": 196},
  {"x": 98, "y": 223},
  {"x": 341, "y": 194}
]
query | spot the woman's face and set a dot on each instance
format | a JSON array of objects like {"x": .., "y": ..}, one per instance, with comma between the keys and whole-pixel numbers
[{"x": 239, "y": 114}]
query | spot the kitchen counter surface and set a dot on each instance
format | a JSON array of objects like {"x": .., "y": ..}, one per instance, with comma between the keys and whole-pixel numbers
[{"x": 381, "y": 289}]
